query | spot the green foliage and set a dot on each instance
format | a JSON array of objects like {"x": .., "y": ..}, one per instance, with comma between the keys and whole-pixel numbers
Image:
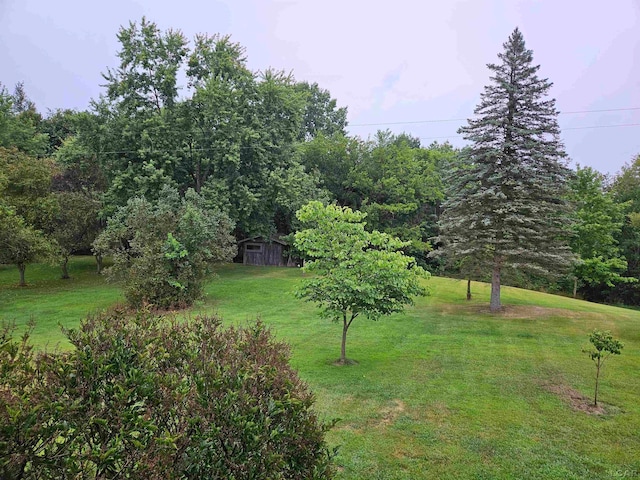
[
  {"x": 163, "y": 250},
  {"x": 27, "y": 188},
  {"x": 75, "y": 225},
  {"x": 21, "y": 244},
  {"x": 19, "y": 123},
  {"x": 598, "y": 222},
  {"x": 598, "y": 217},
  {"x": 625, "y": 184},
  {"x": 153, "y": 398},
  {"x": 232, "y": 138},
  {"x": 59, "y": 126},
  {"x": 598, "y": 272},
  {"x": 321, "y": 115},
  {"x": 334, "y": 158},
  {"x": 604, "y": 345},
  {"x": 625, "y": 189},
  {"x": 391, "y": 178},
  {"x": 401, "y": 187},
  {"x": 26, "y": 209},
  {"x": 355, "y": 271},
  {"x": 149, "y": 64},
  {"x": 78, "y": 170},
  {"x": 505, "y": 202}
]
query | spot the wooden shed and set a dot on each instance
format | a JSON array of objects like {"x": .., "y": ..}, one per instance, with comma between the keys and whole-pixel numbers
[{"x": 263, "y": 251}]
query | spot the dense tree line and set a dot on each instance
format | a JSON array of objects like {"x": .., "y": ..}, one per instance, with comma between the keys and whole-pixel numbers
[{"x": 251, "y": 148}]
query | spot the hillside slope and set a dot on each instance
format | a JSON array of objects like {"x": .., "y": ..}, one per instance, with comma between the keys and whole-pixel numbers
[{"x": 446, "y": 390}]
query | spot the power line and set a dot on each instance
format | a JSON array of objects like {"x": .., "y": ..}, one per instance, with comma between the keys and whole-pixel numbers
[
  {"x": 463, "y": 119},
  {"x": 600, "y": 111},
  {"x": 405, "y": 123},
  {"x": 563, "y": 129},
  {"x": 257, "y": 146},
  {"x": 603, "y": 126}
]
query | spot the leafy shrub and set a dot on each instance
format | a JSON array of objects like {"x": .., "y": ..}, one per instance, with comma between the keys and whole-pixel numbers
[
  {"x": 150, "y": 397},
  {"x": 163, "y": 250}
]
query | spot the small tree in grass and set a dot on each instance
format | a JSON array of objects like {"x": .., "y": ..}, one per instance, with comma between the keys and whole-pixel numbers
[
  {"x": 356, "y": 271},
  {"x": 21, "y": 244},
  {"x": 604, "y": 346},
  {"x": 75, "y": 225}
]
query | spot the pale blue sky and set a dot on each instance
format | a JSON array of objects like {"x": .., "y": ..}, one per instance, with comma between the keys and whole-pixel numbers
[{"x": 388, "y": 62}]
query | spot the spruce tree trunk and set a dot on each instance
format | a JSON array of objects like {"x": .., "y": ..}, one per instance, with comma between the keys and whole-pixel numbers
[
  {"x": 468, "y": 289},
  {"x": 495, "y": 305},
  {"x": 575, "y": 287},
  {"x": 65, "y": 271},
  {"x": 22, "y": 267}
]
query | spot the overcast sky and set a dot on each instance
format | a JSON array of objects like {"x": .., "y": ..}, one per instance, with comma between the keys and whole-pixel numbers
[{"x": 387, "y": 61}]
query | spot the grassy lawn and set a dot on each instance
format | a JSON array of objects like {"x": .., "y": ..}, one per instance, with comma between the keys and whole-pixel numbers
[{"x": 444, "y": 391}]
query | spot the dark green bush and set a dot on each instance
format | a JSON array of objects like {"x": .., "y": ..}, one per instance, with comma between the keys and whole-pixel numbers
[
  {"x": 164, "y": 250},
  {"x": 150, "y": 397}
]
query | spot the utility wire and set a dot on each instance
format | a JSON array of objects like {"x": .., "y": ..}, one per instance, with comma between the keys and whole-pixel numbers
[
  {"x": 562, "y": 130},
  {"x": 463, "y": 119},
  {"x": 603, "y": 126},
  {"x": 252, "y": 147},
  {"x": 266, "y": 147}
]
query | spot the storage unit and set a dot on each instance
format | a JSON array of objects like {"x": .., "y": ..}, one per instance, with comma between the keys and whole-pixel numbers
[{"x": 261, "y": 251}]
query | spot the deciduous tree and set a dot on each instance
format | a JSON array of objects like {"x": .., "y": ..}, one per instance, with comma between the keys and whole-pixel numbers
[
  {"x": 400, "y": 187},
  {"x": 604, "y": 345},
  {"x": 75, "y": 226},
  {"x": 355, "y": 272},
  {"x": 598, "y": 222},
  {"x": 625, "y": 189},
  {"x": 19, "y": 123},
  {"x": 21, "y": 244},
  {"x": 232, "y": 137},
  {"x": 321, "y": 114},
  {"x": 28, "y": 187}
]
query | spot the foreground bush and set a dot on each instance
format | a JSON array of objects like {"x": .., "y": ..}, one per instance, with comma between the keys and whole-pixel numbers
[{"x": 153, "y": 398}]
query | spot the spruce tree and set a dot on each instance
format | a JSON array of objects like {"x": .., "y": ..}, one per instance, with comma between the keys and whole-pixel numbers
[{"x": 505, "y": 207}]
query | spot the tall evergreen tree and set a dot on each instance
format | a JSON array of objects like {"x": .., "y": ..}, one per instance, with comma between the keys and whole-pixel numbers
[{"x": 505, "y": 206}]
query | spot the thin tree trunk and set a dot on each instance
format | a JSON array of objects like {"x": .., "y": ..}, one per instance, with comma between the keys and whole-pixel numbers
[
  {"x": 198, "y": 176},
  {"x": 575, "y": 287},
  {"x": 98, "y": 264},
  {"x": 595, "y": 397},
  {"x": 22, "y": 267},
  {"x": 495, "y": 304},
  {"x": 468, "y": 289},
  {"x": 65, "y": 271},
  {"x": 343, "y": 351}
]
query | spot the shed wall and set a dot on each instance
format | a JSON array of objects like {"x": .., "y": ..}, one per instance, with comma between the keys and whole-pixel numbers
[{"x": 270, "y": 254}]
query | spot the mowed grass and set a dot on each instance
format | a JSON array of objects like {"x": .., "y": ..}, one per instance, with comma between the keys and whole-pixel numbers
[
  {"x": 444, "y": 391},
  {"x": 52, "y": 302}
]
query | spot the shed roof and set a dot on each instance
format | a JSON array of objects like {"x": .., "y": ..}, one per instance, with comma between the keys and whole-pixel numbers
[{"x": 262, "y": 239}]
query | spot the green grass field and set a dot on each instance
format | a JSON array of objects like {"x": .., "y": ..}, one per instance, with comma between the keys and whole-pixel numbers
[{"x": 444, "y": 391}]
